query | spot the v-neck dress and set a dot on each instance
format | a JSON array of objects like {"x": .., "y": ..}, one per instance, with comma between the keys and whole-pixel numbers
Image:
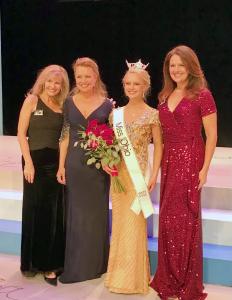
[
  {"x": 87, "y": 203},
  {"x": 179, "y": 271}
]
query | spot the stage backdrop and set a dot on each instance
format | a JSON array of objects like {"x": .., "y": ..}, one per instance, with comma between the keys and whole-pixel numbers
[{"x": 38, "y": 33}]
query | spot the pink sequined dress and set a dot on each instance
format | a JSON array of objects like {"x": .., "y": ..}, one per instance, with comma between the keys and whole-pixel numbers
[{"x": 179, "y": 270}]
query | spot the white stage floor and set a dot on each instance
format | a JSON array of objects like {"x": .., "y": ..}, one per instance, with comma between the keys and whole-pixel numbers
[{"x": 16, "y": 287}]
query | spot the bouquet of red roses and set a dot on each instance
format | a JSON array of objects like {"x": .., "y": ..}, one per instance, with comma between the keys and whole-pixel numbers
[{"x": 102, "y": 149}]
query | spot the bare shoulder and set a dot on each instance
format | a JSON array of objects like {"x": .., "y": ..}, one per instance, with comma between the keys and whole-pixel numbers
[
  {"x": 153, "y": 115},
  {"x": 152, "y": 110},
  {"x": 30, "y": 101}
]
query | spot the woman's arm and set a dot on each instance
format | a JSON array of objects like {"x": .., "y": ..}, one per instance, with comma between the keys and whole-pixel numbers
[
  {"x": 210, "y": 127},
  {"x": 24, "y": 118},
  {"x": 63, "y": 153},
  {"x": 157, "y": 155}
]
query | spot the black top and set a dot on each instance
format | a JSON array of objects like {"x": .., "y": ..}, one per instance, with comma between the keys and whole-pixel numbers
[{"x": 44, "y": 127}]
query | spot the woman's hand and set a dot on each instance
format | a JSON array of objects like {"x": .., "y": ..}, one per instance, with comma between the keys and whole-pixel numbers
[
  {"x": 113, "y": 102},
  {"x": 151, "y": 183},
  {"x": 60, "y": 175},
  {"x": 108, "y": 170},
  {"x": 29, "y": 172},
  {"x": 202, "y": 178}
]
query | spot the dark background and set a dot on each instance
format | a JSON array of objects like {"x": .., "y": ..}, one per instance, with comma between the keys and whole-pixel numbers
[{"x": 39, "y": 33}]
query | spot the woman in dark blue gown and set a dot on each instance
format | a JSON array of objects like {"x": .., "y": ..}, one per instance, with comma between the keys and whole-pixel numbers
[{"x": 87, "y": 188}]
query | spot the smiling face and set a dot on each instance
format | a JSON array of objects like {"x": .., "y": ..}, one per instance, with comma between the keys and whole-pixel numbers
[
  {"x": 134, "y": 86},
  {"x": 53, "y": 84},
  {"x": 85, "y": 79},
  {"x": 178, "y": 70}
]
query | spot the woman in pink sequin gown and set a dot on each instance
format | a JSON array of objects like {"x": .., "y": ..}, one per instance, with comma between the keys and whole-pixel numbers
[{"x": 185, "y": 105}]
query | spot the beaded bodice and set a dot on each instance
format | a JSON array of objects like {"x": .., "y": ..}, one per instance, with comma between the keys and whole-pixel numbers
[{"x": 140, "y": 134}]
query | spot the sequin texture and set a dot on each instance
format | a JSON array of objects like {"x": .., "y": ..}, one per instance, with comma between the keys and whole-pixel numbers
[
  {"x": 179, "y": 270},
  {"x": 128, "y": 267}
]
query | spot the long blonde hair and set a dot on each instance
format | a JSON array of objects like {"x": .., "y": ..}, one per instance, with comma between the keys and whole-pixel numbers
[
  {"x": 100, "y": 87},
  {"x": 196, "y": 77},
  {"x": 43, "y": 75}
]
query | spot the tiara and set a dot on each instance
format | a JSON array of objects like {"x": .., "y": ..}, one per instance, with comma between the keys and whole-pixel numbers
[{"x": 137, "y": 65}]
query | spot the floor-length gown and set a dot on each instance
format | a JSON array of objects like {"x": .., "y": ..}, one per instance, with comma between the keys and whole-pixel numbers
[
  {"x": 128, "y": 267},
  {"x": 179, "y": 271},
  {"x": 87, "y": 203},
  {"x": 42, "y": 247}
]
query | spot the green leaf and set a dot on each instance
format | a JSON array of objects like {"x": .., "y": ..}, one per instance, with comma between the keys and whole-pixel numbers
[
  {"x": 117, "y": 160},
  {"x": 105, "y": 161},
  {"x": 109, "y": 151},
  {"x": 115, "y": 154},
  {"x": 111, "y": 164},
  {"x": 98, "y": 165},
  {"x": 117, "y": 148},
  {"x": 89, "y": 161},
  {"x": 93, "y": 160}
]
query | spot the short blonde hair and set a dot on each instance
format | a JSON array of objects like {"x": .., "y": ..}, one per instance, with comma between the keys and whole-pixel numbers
[
  {"x": 100, "y": 87},
  {"x": 144, "y": 75},
  {"x": 43, "y": 75}
]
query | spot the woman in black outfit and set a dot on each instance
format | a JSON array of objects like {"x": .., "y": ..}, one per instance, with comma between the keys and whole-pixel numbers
[{"x": 41, "y": 118}]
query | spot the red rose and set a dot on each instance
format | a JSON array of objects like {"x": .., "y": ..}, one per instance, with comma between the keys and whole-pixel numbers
[
  {"x": 107, "y": 134},
  {"x": 93, "y": 144},
  {"x": 109, "y": 142},
  {"x": 92, "y": 124}
]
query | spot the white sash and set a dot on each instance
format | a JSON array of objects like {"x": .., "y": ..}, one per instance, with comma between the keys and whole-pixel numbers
[{"x": 142, "y": 201}]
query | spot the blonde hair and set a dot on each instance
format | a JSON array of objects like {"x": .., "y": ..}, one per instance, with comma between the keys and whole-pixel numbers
[
  {"x": 100, "y": 87},
  {"x": 144, "y": 75},
  {"x": 196, "y": 78},
  {"x": 43, "y": 75}
]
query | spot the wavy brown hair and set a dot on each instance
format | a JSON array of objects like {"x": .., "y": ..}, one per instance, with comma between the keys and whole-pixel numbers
[
  {"x": 100, "y": 87},
  {"x": 43, "y": 75},
  {"x": 196, "y": 77}
]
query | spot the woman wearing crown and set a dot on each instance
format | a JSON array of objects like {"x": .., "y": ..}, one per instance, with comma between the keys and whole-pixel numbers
[{"x": 135, "y": 125}]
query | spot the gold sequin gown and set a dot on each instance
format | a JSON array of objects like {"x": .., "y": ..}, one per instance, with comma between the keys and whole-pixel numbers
[{"x": 128, "y": 267}]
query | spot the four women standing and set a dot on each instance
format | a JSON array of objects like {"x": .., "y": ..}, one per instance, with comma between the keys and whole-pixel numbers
[{"x": 185, "y": 104}]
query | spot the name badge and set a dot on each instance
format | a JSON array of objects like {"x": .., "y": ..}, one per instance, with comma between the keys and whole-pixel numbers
[{"x": 38, "y": 112}]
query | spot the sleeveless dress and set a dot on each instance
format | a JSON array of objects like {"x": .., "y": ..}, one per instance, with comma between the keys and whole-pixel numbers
[
  {"x": 128, "y": 267},
  {"x": 42, "y": 247},
  {"x": 87, "y": 202},
  {"x": 179, "y": 271}
]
